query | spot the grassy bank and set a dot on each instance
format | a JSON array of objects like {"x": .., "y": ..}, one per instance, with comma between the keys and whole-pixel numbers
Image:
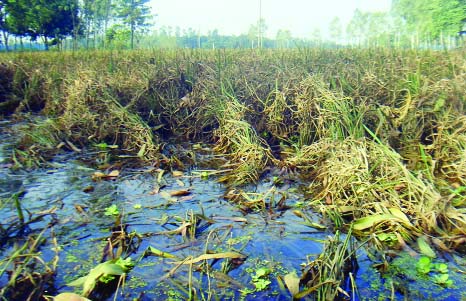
[{"x": 379, "y": 134}]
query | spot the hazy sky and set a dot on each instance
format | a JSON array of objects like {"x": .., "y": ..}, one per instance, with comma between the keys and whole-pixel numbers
[{"x": 301, "y": 17}]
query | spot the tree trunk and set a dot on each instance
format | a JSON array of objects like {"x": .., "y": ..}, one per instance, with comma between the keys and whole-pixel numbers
[
  {"x": 132, "y": 35},
  {"x": 5, "y": 40},
  {"x": 88, "y": 27}
]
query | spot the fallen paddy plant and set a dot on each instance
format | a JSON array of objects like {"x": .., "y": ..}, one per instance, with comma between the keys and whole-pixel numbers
[{"x": 326, "y": 276}]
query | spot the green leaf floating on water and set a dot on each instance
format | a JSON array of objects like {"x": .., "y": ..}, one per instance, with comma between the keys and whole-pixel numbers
[
  {"x": 112, "y": 210},
  {"x": 261, "y": 280},
  {"x": 108, "y": 268},
  {"x": 262, "y": 272},
  {"x": 441, "y": 268},
  {"x": 424, "y": 265},
  {"x": 443, "y": 279}
]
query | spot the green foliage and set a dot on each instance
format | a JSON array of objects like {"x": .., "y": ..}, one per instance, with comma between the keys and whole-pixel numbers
[
  {"x": 437, "y": 271},
  {"x": 117, "y": 37},
  {"x": 104, "y": 273},
  {"x": 134, "y": 14},
  {"x": 260, "y": 279},
  {"x": 442, "y": 279},
  {"x": 424, "y": 265},
  {"x": 112, "y": 210},
  {"x": 47, "y": 19},
  {"x": 95, "y": 14},
  {"x": 431, "y": 18}
]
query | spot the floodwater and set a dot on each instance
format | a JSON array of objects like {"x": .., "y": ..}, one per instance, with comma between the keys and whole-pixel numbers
[{"x": 151, "y": 209}]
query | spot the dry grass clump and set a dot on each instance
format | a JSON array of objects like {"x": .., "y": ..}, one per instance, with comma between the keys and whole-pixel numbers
[
  {"x": 8, "y": 102},
  {"x": 237, "y": 138},
  {"x": 322, "y": 113},
  {"x": 92, "y": 114},
  {"x": 360, "y": 178}
]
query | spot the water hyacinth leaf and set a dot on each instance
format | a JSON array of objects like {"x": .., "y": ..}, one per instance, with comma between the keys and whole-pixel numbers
[
  {"x": 112, "y": 210},
  {"x": 69, "y": 297},
  {"x": 262, "y": 272},
  {"x": 425, "y": 248},
  {"x": 441, "y": 268},
  {"x": 439, "y": 104},
  {"x": 442, "y": 279},
  {"x": 292, "y": 283},
  {"x": 387, "y": 237},
  {"x": 424, "y": 265},
  {"x": 104, "y": 269},
  {"x": 231, "y": 255},
  {"x": 261, "y": 283}
]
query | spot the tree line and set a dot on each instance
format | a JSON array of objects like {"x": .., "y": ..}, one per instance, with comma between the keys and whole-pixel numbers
[
  {"x": 414, "y": 22},
  {"x": 52, "y": 21},
  {"x": 125, "y": 23}
]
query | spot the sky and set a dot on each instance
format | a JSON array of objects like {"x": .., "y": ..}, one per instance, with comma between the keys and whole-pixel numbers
[{"x": 301, "y": 17}]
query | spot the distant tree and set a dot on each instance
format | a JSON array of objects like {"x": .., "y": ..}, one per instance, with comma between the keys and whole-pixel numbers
[
  {"x": 335, "y": 29},
  {"x": 261, "y": 30},
  {"x": 135, "y": 14},
  {"x": 117, "y": 36},
  {"x": 257, "y": 32},
  {"x": 283, "y": 38},
  {"x": 379, "y": 28},
  {"x": 253, "y": 34},
  {"x": 316, "y": 36},
  {"x": 96, "y": 15},
  {"x": 48, "y": 19},
  {"x": 3, "y": 25},
  {"x": 431, "y": 18},
  {"x": 16, "y": 16},
  {"x": 52, "y": 19},
  {"x": 358, "y": 26}
]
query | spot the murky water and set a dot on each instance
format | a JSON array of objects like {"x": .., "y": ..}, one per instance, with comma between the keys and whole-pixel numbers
[{"x": 274, "y": 239}]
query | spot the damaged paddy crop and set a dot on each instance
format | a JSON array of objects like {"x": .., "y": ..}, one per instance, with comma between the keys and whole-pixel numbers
[{"x": 233, "y": 174}]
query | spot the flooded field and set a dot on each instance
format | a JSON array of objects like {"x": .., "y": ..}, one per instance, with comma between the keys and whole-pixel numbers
[
  {"x": 183, "y": 215},
  {"x": 313, "y": 174}
]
